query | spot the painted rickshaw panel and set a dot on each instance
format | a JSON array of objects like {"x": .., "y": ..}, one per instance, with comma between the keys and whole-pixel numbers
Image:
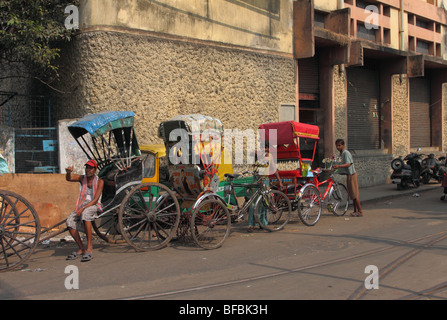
[
  {"x": 205, "y": 151},
  {"x": 152, "y": 154}
]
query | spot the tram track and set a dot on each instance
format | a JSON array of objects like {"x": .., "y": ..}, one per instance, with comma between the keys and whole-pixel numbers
[
  {"x": 396, "y": 263},
  {"x": 427, "y": 293},
  {"x": 359, "y": 293}
]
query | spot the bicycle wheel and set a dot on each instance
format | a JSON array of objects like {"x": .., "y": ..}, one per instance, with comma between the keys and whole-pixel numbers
[
  {"x": 309, "y": 205},
  {"x": 149, "y": 216},
  {"x": 210, "y": 224},
  {"x": 339, "y": 199},
  {"x": 272, "y": 210},
  {"x": 19, "y": 230},
  {"x": 107, "y": 227}
]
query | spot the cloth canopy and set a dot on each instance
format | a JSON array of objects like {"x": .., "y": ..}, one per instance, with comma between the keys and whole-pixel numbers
[{"x": 287, "y": 131}]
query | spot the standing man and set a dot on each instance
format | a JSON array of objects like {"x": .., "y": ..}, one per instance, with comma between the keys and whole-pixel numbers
[
  {"x": 87, "y": 206},
  {"x": 347, "y": 168}
]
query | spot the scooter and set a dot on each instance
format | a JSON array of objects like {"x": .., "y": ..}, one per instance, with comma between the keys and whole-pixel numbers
[
  {"x": 407, "y": 172},
  {"x": 430, "y": 169}
]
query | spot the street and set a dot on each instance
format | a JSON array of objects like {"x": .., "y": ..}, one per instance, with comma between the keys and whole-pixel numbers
[{"x": 397, "y": 250}]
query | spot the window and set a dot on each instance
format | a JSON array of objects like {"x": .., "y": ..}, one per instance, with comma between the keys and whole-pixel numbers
[
  {"x": 149, "y": 166},
  {"x": 365, "y": 33}
]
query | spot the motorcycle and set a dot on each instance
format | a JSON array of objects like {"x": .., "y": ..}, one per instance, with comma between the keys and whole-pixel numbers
[
  {"x": 407, "y": 172},
  {"x": 430, "y": 169}
]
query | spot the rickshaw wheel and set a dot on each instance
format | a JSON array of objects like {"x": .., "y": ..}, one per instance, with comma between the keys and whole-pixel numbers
[
  {"x": 107, "y": 227},
  {"x": 273, "y": 213},
  {"x": 310, "y": 205},
  {"x": 210, "y": 224},
  {"x": 149, "y": 216},
  {"x": 339, "y": 199},
  {"x": 19, "y": 230}
]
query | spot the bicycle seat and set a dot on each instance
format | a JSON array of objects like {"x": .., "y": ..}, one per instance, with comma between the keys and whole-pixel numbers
[{"x": 232, "y": 176}]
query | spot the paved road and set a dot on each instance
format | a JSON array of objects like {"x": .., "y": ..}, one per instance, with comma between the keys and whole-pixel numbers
[{"x": 403, "y": 239}]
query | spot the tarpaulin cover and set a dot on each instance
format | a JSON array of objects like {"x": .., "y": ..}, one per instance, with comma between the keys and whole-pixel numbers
[
  {"x": 98, "y": 123},
  {"x": 197, "y": 125},
  {"x": 288, "y": 130}
]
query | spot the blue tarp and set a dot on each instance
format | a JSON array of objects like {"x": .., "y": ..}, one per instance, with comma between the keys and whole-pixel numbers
[
  {"x": 98, "y": 123},
  {"x": 3, "y": 165}
]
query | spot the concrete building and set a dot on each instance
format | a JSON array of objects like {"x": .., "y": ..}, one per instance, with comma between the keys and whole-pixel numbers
[
  {"x": 230, "y": 59},
  {"x": 372, "y": 72},
  {"x": 375, "y": 75}
]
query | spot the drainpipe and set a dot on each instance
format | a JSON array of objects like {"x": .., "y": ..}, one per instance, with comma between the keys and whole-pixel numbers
[
  {"x": 401, "y": 26},
  {"x": 340, "y": 5}
]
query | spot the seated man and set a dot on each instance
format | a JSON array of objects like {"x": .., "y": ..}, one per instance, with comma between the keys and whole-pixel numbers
[{"x": 87, "y": 206}]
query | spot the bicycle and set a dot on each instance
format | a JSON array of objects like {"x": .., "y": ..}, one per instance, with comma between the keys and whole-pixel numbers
[
  {"x": 214, "y": 214},
  {"x": 310, "y": 200},
  {"x": 271, "y": 208}
]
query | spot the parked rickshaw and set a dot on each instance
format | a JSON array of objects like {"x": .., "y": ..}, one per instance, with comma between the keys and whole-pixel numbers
[
  {"x": 297, "y": 142},
  {"x": 19, "y": 230},
  {"x": 196, "y": 162},
  {"x": 143, "y": 214}
]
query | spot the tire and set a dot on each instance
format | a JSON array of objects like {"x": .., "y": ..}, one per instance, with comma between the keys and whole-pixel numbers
[
  {"x": 210, "y": 224},
  {"x": 310, "y": 205},
  {"x": 426, "y": 177},
  {"x": 19, "y": 230},
  {"x": 273, "y": 210},
  {"x": 149, "y": 216},
  {"x": 397, "y": 164},
  {"x": 339, "y": 199}
]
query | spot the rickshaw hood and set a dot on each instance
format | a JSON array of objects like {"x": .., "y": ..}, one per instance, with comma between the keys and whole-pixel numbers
[
  {"x": 98, "y": 123},
  {"x": 287, "y": 131}
]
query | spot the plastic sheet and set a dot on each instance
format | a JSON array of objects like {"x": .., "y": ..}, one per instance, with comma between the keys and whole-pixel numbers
[{"x": 98, "y": 123}]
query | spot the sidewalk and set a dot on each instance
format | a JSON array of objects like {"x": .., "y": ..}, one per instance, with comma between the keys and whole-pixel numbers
[{"x": 389, "y": 191}]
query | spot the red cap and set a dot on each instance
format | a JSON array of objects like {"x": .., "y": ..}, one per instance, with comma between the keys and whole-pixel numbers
[{"x": 92, "y": 163}]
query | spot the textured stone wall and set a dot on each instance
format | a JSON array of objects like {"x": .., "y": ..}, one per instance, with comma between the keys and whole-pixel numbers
[
  {"x": 340, "y": 106},
  {"x": 400, "y": 115},
  {"x": 373, "y": 167},
  {"x": 159, "y": 78}
]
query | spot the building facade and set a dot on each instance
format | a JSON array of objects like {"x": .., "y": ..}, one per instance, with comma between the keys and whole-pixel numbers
[
  {"x": 370, "y": 71},
  {"x": 229, "y": 59},
  {"x": 375, "y": 76}
]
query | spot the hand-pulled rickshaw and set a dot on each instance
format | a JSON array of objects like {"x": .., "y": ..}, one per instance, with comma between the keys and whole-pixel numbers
[
  {"x": 297, "y": 142},
  {"x": 145, "y": 215},
  {"x": 132, "y": 210},
  {"x": 196, "y": 163}
]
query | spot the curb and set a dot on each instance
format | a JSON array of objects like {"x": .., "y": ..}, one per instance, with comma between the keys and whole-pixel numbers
[{"x": 401, "y": 193}]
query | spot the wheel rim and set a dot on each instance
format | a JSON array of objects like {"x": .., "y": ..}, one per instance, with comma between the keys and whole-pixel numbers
[
  {"x": 310, "y": 204},
  {"x": 275, "y": 214},
  {"x": 340, "y": 200},
  {"x": 210, "y": 224},
  {"x": 149, "y": 216},
  {"x": 19, "y": 230}
]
